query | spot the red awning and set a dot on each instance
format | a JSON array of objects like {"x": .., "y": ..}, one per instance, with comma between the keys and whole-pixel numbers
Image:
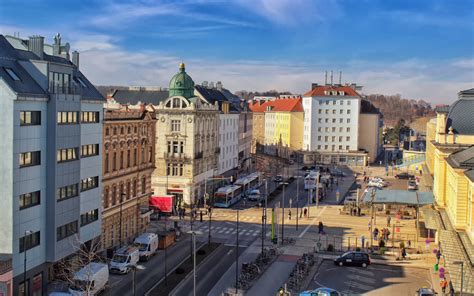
[{"x": 163, "y": 203}]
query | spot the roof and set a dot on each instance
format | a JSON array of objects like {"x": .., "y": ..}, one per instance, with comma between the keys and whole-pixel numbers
[
  {"x": 279, "y": 105},
  {"x": 460, "y": 116},
  {"x": 467, "y": 92},
  {"x": 470, "y": 175},
  {"x": 213, "y": 95},
  {"x": 320, "y": 91},
  {"x": 132, "y": 97},
  {"x": 10, "y": 58},
  {"x": 400, "y": 197},
  {"x": 442, "y": 109},
  {"x": 462, "y": 159}
]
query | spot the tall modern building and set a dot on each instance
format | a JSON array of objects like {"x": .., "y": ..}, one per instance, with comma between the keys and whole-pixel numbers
[
  {"x": 51, "y": 163},
  {"x": 187, "y": 134},
  {"x": 334, "y": 116}
]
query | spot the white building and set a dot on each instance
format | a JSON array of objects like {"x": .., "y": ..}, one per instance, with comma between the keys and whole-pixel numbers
[{"x": 51, "y": 163}]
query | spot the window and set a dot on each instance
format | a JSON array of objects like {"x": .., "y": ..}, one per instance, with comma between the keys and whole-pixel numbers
[
  {"x": 106, "y": 198},
  {"x": 319, "y": 138},
  {"x": 67, "y": 117},
  {"x": 150, "y": 153},
  {"x": 348, "y": 111},
  {"x": 348, "y": 120},
  {"x": 326, "y": 120},
  {"x": 341, "y": 102},
  {"x": 341, "y": 111},
  {"x": 347, "y": 147},
  {"x": 175, "y": 125},
  {"x": 340, "y": 129},
  {"x": 333, "y": 129},
  {"x": 340, "y": 147},
  {"x": 115, "y": 131},
  {"x": 334, "y": 120},
  {"x": 348, "y": 129},
  {"x": 319, "y": 147},
  {"x": 143, "y": 185},
  {"x": 121, "y": 160},
  {"x": 63, "y": 155},
  {"x": 89, "y": 183},
  {"x": 340, "y": 139},
  {"x": 128, "y": 158},
  {"x": 90, "y": 117},
  {"x": 143, "y": 154},
  {"x": 327, "y": 111},
  {"x": 89, "y": 217},
  {"x": 325, "y": 147},
  {"x": 135, "y": 156},
  {"x": 89, "y": 150},
  {"x": 348, "y": 138},
  {"x": 21, "y": 288},
  {"x": 30, "y": 159},
  {"x": 107, "y": 132},
  {"x": 319, "y": 129},
  {"x": 30, "y": 118},
  {"x": 320, "y": 111},
  {"x": 333, "y": 147},
  {"x": 114, "y": 195},
  {"x": 334, "y": 111},
  {"x": 67, "y": 192},
  {"x": 327, "y": 102},
  {"x": 348, "y": 102},
  {"x": 334, "y": 102},
  {"x": 341, "y": 120},
  {"x": 176, "y": 103},
  {"x": 106, "y": 165},
  {"x": 320, "y": 120},
  {"x": 114, "y": 162},
  {"x": 175, "y": 169},
  {"x": 333, "y": 139},
  {"x": 66, "y": 230},
  {"x": 12, "y": 74},
  {"x": 29, "y": 241},
  {"x": 326, "y": 138},
  {"x": 29, "y": 200}
]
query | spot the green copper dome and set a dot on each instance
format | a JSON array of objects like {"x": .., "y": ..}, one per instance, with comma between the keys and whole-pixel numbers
[{"x": 181, "y": 84}]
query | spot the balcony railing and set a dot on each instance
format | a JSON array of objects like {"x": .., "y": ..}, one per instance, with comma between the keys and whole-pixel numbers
[
  {"x": 69, "y": 89},
  {"x": 172, "y": 155}
]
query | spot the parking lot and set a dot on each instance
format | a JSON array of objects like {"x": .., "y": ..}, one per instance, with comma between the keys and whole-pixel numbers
[{"x": 373, "y": 280}]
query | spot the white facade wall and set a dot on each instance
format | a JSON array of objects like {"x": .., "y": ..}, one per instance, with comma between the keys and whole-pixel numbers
[
  {"x": 228, "y": 142},
  {"x": 331, "y": 123}
]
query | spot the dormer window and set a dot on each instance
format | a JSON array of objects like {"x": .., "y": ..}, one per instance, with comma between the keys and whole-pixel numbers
[
  {"x": 341, "y": 93},
  {"x": 12, "y": 74},
  {"x": 176, "y": 103}
]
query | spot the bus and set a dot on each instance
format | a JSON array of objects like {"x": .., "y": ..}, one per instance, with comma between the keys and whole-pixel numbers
[
  {"x": 310, "y": 180},
  {"x": 226, "y": 196},
  {"x": 249, "y": 182}
]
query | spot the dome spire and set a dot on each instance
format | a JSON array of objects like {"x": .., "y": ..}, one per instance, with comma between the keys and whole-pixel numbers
[{"x": 182, "y": 67}]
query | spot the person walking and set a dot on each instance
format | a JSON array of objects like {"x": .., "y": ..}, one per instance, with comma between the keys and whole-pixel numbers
[
  {"x": 404, "y": 254},
  {"x": 321, "y": 227},
  {"x": 389, "y": 218},
  {"x": 200, "y": 213},
  {"x": 289, "y": 214},
  {"x": 443, "y": 284},
  {"x": 438, "y": 256},
  {"x": 376, "y": 233},
  {"x": 362, "y": 240},
  {"x": 305, "y": 212},
  {"x": 451, "y": 288}
]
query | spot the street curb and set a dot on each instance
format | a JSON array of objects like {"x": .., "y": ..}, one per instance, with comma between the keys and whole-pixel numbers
[{"x": 197, "y": 267}]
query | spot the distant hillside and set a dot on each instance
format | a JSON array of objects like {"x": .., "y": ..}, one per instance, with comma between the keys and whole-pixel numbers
[
  {"x": 248, "y": 95},
  {"x": 393, "y": 108}
]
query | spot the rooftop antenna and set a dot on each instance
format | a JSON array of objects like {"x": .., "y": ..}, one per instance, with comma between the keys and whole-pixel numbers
[
  {"x": 326, "y": 77},
  {"x": 331, "y": 78},
  {"x": 340, "y": 77}
]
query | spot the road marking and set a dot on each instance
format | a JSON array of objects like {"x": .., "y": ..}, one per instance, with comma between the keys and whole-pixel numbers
[
  {"x": 312, "y": 222},
  {"x": 234, "y": 245}
]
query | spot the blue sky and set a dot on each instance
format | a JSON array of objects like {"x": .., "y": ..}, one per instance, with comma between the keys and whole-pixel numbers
[{"x": 419, "y": 49}]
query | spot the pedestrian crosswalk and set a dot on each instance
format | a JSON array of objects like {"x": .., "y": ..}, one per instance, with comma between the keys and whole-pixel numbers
[{"x": 230, "y": 230}]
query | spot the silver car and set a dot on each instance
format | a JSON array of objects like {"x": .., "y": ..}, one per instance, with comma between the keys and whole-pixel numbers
[{"x": 412, "y": 185}]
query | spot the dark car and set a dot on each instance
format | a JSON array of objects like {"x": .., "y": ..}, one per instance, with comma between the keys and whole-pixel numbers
[
  {"x": 404, "y": 176},
  {"x": 278, "y": 178},
  {"x": 304, "y": 168},
  {"x": 353, "y": 259}
]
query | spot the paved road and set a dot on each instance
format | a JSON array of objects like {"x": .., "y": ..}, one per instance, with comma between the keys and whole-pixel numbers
[{"x": 373, "y": 280}]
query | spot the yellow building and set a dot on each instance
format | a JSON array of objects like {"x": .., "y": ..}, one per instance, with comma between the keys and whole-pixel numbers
[
  {"x": 450, "y": 160},
  {"x": 284, "y": 126}
]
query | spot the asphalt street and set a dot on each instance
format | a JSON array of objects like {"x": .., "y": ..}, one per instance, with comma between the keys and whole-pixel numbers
[{"x": 373, "y": 280}]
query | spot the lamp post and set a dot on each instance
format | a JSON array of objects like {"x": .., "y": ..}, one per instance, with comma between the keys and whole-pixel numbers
[
  {"x": 462, "y": 274},
  {"x": 120, "y": 219},
  {"x": 283, "y": 212},
  {"x": 134, "y": 271},
  {"x": 25, "y": 247},
  {"x": 194, "y": 233}
]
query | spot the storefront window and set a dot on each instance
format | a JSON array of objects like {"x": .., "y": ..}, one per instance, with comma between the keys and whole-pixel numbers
[{"x": 37, "y": 289}]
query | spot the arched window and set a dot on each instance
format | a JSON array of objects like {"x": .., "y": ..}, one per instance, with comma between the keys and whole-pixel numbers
[
  {"x": 143, "y": 185},
  {"x": 176, "y": 103}
]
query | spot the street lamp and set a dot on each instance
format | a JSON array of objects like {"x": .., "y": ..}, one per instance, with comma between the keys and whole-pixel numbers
[
  {"x": 462, "y": 274},
  {"x": 25, "y": 247},
  {"x": 134, "y": 270},
  {"x": 194, "y": 233},
  {"x": 283, "y": 212}
]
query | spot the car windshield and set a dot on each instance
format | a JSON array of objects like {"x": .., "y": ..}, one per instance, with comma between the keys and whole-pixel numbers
[
  {"x": 120, "y": 258},
  {"x": 142, "y": 247}
]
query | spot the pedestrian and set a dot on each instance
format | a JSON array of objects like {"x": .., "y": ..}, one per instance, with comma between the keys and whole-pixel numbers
[
  {"x": 355, "y": 212},
  {"x": 389, "y": 218},
  {"x": 289, "y": 214},
  {"x": 180, "y": 213},
  {"x": 438, "y": 256},
  {"x": 305, "y": 212},
  {"x": 404, "y": 254},
  {"x": 321, "y": 227},
  {"x": 200, "y": 213},
  {"x": 350, "y": 211},
  {"x": 451, "y": 288},
  {"x": 376, "y": 233},
  {"x": 358, "y": 211},
  {"x": 409, "y": 243},
  {"x": 184, "y": 212},
  {"x": 209, "y": 210},
  {"x": 443, "y": 285},
  {"x": 362, "y": 239},
  {"x": 369, "y": 225},
  {"x": 421, "y": 172}
]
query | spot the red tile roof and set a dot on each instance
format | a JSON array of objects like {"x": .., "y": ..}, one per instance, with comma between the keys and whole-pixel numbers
[
  {"x": 278, "y": 105},
  {"x": 319, "y": 91}
]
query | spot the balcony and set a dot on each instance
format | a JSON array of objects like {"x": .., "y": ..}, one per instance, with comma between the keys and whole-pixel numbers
[
  {"x": 174, "y": 156},
  {"x": 64, "y": 88}
]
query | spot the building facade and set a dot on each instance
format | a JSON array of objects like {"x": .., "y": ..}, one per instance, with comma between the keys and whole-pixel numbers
[
  {"x": 284, "y": 119},
  {"x": 51, "y": 169},
  {"x": 187, "y": 150},
  {"x": 128, "y": 163},
  {"x": 245, "y": 138},
  {"x": 258, "y": 124}
]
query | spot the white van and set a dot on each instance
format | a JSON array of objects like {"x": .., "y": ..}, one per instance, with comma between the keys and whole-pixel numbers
[
  {"x": 147, "y": 244},
  {"x": 124, "y": 259},
  {"x": 90, "y": 280}
]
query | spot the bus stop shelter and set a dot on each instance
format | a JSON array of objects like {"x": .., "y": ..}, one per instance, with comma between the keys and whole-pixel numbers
[{"x": 400, "y": 197}]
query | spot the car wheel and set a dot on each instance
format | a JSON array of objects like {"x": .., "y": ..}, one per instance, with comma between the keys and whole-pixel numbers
[
  {"x": 364, "y": 265},
  {"x": 341, "y": 264}
]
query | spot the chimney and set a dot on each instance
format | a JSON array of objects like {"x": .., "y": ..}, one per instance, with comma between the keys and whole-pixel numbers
[
  {"x": 326, "y": 77},
  {"x": 340, "y": 77},
  {"x": 331, "y": 79},
  {"x": 36, "y": 45},
  {"x": 75, "y": 58},
  {"x": 219, "y": 85}
]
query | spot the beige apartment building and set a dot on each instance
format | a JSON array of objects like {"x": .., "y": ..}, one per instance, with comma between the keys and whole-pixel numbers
[{"x": 128, "y": 164}]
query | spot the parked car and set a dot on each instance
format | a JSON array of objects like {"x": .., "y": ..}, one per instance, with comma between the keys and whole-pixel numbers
[
  {"x": 90, "y": 280},
  {"x": 425, "y": 292},
  {"x": 404, "y": 176},
  {"x": 412, "y": 185},
  {"x": 323, "y": 291},
  {"x": 379, "y": 180},
  {"x": 147, "y": 244},
  {"x": 353, "y": 259},
  {"x": 375, "y": 184},
  {"x": 255, "y": 195},
  {"x": 278, "y": 178},
  {"x": 124, "y": 260}
]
